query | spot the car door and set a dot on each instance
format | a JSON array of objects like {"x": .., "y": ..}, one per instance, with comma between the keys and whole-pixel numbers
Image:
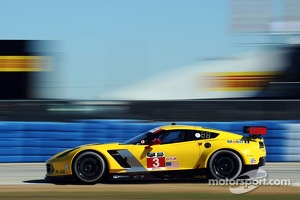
[{"x": 176, "y": 150}]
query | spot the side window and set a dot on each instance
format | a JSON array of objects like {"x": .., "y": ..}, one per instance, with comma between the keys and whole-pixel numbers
[
  {"x": 172, "y": 137},
  {"x": 190, "y": 135}
]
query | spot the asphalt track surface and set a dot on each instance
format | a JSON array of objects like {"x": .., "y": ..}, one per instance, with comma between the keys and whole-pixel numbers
[{"x": 34, "y": 173}]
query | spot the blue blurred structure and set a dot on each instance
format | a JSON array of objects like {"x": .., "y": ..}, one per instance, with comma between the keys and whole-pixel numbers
[{"x": 38, "y": 141}]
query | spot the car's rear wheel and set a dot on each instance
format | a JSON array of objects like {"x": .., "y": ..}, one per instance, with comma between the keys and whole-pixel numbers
[
  {"x": 89, "y": 167},
  {"x": 225, "y": 164}
]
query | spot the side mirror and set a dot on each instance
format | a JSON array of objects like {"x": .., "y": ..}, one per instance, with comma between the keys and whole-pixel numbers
[{"x": 156, "y": 141}]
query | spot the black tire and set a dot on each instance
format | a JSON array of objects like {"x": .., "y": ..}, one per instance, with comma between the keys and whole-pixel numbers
[
  {"x": 89, "y": 167},
  {"x": 225, "y": 164}
]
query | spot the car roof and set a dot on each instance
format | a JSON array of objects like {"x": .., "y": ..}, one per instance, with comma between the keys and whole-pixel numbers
[
  {"x": 176, "y": 127},
  {"x": 197, "y": 128},
  {"x": 189, "y": 127}
]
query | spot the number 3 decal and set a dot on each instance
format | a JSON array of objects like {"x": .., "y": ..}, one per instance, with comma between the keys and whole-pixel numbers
[{"x": 156, "y": 162}]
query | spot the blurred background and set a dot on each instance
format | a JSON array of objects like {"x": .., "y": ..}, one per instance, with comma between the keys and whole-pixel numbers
[
  {"x": 92, "y": 68},
  {"x": 157, "y": 60}
]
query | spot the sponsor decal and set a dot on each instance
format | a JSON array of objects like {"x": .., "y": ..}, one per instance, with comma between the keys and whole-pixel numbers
[
  {"x": 160, "y": 153},
  {"x": 252, "y": 160},
  {"x": 171, "y": 159},
  {"x": 149, "y": 155},
  {"x": 238, "y": 141},
  {"x": 172, "y": 162},
  {"x": 155, "y": 154}
]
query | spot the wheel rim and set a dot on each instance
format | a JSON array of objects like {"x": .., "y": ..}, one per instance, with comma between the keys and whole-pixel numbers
[
  {"x": 89, "y": 167},
  {"x": 226, "y": 165}
]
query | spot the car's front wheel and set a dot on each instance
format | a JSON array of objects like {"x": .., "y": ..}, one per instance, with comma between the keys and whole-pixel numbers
[
  {"x": 225, "y": 164},
  {"x": 89, "y": 167}
]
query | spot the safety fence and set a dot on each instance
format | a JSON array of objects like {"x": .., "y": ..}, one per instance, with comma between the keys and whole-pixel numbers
[{"x": 38, "y": 141}]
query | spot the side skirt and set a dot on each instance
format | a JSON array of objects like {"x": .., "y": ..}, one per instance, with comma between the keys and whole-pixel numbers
[{"x": 198, "y": 174}]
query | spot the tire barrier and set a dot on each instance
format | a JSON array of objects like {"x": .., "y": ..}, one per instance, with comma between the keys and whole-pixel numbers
[{"x": 38, "y": 141}]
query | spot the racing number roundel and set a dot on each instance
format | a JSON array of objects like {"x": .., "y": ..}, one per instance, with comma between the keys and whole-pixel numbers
[{"x": 156, "y": 160}]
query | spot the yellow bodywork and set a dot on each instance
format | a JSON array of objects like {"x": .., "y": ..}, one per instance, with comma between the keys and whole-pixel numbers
[{"x": 187, "y": 155}]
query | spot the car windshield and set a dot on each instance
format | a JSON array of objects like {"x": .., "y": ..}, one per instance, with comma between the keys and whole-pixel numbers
[{"x": 137, "y": 139}]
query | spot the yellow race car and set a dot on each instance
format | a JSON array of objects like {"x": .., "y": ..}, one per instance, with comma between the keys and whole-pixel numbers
[{"x": 166, "y": 152}]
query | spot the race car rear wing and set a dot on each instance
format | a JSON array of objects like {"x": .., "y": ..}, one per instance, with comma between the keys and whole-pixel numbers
[{"x": 255, "y": 131}]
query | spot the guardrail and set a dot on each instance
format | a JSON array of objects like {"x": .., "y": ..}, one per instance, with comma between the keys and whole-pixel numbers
[{"x": 38, "y": 141}]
